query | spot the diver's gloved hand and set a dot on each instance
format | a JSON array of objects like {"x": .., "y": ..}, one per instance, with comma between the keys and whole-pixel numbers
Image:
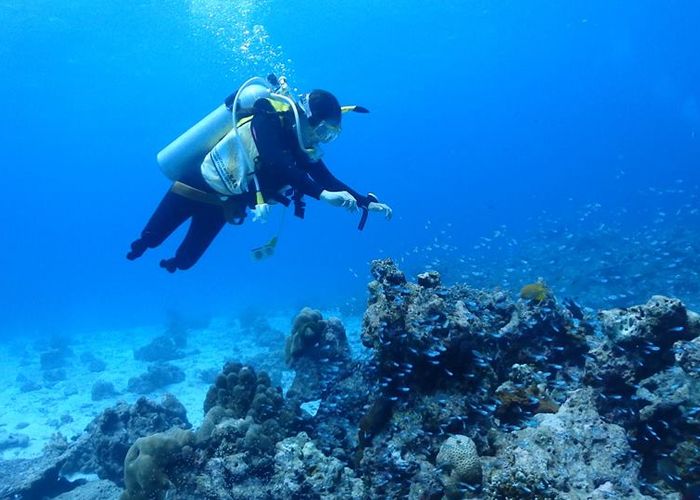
[
  {"x": 340, "y": 199},
  {"x": 375, "y": 206},
  {"x": 261, "y": 212}
]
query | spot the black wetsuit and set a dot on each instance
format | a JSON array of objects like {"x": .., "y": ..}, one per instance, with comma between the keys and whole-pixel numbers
[{"x": 281, "y": 163}]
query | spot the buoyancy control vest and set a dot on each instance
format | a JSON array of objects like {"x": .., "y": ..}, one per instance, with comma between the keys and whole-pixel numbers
[{"x": 229, "y": 167}]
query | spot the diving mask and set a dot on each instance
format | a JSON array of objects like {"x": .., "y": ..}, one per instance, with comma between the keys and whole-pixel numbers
[
  {"x": 323, "y": 130},
  {"x": 326, "y": 132}
]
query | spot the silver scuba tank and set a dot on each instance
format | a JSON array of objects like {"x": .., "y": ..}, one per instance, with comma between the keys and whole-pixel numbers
[{"x": 187, "y": 151}]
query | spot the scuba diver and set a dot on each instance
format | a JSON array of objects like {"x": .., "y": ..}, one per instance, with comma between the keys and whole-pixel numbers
[{"x": 260, "y": 147}]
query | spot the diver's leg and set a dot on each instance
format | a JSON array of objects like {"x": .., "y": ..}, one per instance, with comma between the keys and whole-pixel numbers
[
  {"x": 206, "y": 223},
  {"x": 172, "y": 211}
]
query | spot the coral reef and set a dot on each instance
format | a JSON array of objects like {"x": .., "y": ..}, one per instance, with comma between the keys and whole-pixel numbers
[
  {"x": 318, "y": 351},
  {"x": 460, "y": 463},
  {"x": 102, "y": 389},
  {"x": 666, "y": 427},
  {"x": 92, "y": 490},
  {"x": 426, "y": 339},
  {"x": 461, "y": 361},
  {"x": 242, "y": 392},
  {"x": 316, "y": 475},
  {"x": 462, "y": 393},
  {"x": 638, "y": 341},
  {"x": 162, "y": 348},
  {"x": 157, "y": 376},
  {"x": 92, "y": 362},
  {"x": 572, "y": 451},
  {"x": 56, "y": 356},
  {"x": 245, "y": 417},
  {"x": 101, "y": 449},
  {"x": 687, "y": 356},
  {"x": 33, "y": 478},
  {"x": 254, "y": 321},
  {"x": 297, "y": 470},
  {"x": 53, "y": 359},
  {"x": 152, "y": 460},
  {"x": 535, "y": 291},
  {"x": 13, "y": 440}
]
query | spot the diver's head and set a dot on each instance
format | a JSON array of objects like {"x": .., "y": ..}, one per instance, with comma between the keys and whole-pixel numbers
[{"x": 323, "y": 112}]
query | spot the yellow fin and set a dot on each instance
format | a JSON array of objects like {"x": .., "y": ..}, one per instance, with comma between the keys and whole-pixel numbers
[
  {"x": 264, "y": 251},
  {"x": 355, "y": 108}
]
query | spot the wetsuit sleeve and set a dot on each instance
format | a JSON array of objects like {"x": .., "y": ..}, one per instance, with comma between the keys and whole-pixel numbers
[
  {"x": 320, "y": 173},
  {"x": 277, "y": 149}
]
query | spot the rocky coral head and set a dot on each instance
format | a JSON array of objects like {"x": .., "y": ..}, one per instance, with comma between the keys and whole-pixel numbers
[
  {"x": 316, "y": 338},
  {"x": 240, "y": 389},
  {"x": 429, "y": 279},
  {"x": 148, "y": 460},
  {"x": 639, "y": 341},
  {"x": 306, "y": 331},
  {"x": 386, "y": 271},
  {"x": 662, "y": 320},
  {"x": 459, "y": 461}
]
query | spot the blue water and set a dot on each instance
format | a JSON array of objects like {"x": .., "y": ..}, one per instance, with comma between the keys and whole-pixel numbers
[{"x": 512, "y": 121}]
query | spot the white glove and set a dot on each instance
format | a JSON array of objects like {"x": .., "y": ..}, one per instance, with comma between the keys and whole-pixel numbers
[
  {"x": 375, "y": 206},
  {"x": 340, "y": 199},
  {"x": 261, "y": 213}
]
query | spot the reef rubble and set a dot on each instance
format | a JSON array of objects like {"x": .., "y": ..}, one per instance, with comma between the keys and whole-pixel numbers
[{"x": 464, "y": 393}]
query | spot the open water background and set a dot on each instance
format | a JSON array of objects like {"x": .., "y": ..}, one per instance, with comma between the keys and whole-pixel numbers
[{"x": 514, "y": 140}]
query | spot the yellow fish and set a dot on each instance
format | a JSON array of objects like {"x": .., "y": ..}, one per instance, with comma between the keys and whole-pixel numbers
[{"x": 535, "y": 291}]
